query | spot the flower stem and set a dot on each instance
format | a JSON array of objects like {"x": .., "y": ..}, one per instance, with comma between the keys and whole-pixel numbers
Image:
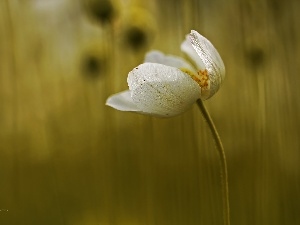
[{"x": 223, "y": 168}]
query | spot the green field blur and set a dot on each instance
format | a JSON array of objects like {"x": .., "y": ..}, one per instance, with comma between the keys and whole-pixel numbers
[{"x": 67, "y": 159}]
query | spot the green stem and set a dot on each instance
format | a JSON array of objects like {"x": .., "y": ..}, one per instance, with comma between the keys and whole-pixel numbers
[{"x": 223, "y": 169}]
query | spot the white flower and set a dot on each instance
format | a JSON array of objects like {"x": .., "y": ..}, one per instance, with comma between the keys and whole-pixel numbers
[{"x": 167, "y": 85}]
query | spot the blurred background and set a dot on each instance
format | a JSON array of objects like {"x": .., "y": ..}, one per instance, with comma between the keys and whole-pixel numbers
[{"x": 67, "y": 159}]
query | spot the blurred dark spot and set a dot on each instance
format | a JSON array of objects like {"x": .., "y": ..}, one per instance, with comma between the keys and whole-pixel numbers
[
  {"x": 135, "y": 37},
  {"x": 255, "y": 57},
  {"x": 278, "y": 10},
  {"x": 93, "y": 66},
  {"x": 100, "y": 10},
  {"x": 275, "y": 5}
]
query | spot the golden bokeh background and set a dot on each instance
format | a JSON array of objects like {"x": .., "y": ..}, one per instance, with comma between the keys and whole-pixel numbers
[{"x": 67, "y": 159}]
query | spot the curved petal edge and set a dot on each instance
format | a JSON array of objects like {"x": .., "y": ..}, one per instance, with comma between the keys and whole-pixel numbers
[
  {"x": 122, "y": 101},
  {"x": 156, "y": 56}
]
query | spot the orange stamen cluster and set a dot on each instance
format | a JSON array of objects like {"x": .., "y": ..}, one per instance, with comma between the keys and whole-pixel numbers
[
  {"x": 204, "y": 79},
  {"x": 201, "y": 77}
]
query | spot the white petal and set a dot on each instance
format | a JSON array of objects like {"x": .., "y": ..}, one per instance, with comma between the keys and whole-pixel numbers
[
  {"x": 187, "y": 48},
  {"x": 122, "y": 101},
  {"x": 162, "y": 90},
  {"x": 168, "y": 60},
  {"x": 211, "y": 59}
]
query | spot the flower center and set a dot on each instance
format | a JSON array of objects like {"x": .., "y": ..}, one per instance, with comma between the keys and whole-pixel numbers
[{"x": 201, "y": 77}]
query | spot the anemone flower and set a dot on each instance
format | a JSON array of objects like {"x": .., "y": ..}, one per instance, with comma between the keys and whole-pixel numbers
[{"x": 167, "y": 85}]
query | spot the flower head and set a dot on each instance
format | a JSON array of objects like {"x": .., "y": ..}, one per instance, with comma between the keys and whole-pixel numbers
[{"x": 167, "y": 85}]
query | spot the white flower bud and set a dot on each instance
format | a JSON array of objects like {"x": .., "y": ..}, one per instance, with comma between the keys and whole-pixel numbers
[{"x": 167, "y": 85}]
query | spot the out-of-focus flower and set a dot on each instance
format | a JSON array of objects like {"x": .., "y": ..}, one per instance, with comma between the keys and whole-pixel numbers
[
  {"x": 103, "y": 11},
  {"x": 136, "y": 28},
  {"x": 167, "y": 85}
]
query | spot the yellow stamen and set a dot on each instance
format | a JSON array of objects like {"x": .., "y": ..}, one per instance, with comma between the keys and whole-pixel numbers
[{"x": 201, "y": 77}]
